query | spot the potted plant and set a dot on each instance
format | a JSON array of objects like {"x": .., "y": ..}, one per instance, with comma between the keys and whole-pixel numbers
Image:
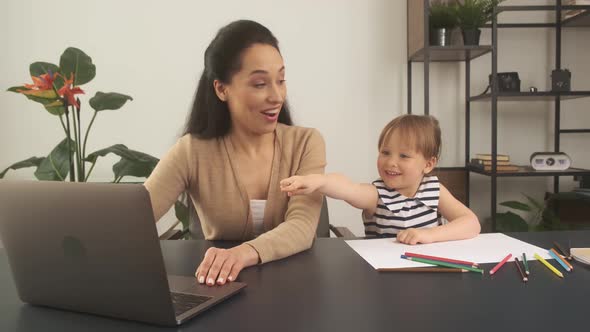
[
  {"x": 472, "y": 15},
  {"x": 541, "y": 214},
  {"x": 56, "y": 89},
  {"x": 442, "y": 20}
]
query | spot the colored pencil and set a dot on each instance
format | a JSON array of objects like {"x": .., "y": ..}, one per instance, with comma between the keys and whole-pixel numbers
[
  {"x": 552, "y": 254},
  {"x": 548, "y": 265},
  {"x": 524, "y": 278},
  {"x": 445, "y": 264},
  {"x": 420, "y": 269},
  {"x": 526, "y": 264},
  {"x": 499, "y": 265},
  {"x": 442, "y": 259},
  {"x": 561, "y": 251},
  {"x": 563, "y": 259}
]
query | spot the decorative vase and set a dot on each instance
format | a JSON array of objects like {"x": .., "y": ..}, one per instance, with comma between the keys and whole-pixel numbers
[
  {"x": 440, "y": 37},
  {"x": 471, "y": 36}
]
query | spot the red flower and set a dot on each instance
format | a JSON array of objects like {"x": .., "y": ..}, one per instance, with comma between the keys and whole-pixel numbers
[
  {"x": 68, "y": 92},
  {"x": 42, "y": 82}
]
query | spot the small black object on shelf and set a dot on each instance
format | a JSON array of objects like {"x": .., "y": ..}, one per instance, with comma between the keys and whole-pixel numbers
[
  {"x": 507, "y": 82},
  {"x": 561, "y": 80}
]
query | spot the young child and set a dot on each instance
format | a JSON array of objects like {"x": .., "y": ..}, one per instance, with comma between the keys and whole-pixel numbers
[{"x": 405, "y": 200}]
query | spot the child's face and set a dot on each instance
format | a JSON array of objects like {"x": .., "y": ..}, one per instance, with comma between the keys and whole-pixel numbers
[{"x": 400, "y": 166}]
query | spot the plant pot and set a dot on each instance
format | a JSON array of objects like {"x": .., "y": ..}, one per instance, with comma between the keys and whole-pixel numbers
[
  {"x": 471, "y": 36},
  {"x": 440, "y": 37}
]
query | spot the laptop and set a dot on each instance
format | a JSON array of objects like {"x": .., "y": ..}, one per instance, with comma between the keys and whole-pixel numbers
[{"x": 94, "y": 248}]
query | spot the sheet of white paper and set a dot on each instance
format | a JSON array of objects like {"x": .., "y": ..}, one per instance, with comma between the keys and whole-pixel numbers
[{"x": 485, "y": 248}]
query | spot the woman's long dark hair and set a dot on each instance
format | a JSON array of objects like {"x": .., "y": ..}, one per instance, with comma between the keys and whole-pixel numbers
[{"x": 210, "y": 117}]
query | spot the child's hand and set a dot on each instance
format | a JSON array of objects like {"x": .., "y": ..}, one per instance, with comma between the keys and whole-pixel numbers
[
  {"x": 414, "y": 236},
  {"x": 301, "y": 185}
]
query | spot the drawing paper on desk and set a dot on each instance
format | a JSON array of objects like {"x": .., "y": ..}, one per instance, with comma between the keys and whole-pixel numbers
[{"x": 485, "y": 248}]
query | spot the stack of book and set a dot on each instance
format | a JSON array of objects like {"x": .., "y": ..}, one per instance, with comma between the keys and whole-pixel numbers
[
  {"x": 483, "y": 162},
  {"x": 565, "y": 14},
  {"x": 581, "y": 254}
]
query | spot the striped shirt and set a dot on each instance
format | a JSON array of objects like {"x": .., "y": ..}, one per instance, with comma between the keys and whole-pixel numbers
[{"x": 397, "y": 212}]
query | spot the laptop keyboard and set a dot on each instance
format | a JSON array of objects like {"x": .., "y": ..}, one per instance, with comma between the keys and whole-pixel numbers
[{"x": 184, "y": 302}]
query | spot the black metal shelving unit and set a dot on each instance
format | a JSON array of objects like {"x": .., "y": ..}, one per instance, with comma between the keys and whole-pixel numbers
[{"x": 466, "y": 54}]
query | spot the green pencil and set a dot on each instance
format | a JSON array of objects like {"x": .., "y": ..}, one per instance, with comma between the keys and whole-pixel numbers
[
  {"x": 526, "y": 264},
  {"x": 439, "y": 263}
]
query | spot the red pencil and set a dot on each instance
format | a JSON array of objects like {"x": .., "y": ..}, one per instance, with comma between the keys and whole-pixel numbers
[
  {"x": 499, "y": 265},
  {"x": 441, "y": 259}
]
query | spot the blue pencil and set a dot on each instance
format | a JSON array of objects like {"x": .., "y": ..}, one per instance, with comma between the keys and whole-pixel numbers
[{"x": 562, "y": 263}]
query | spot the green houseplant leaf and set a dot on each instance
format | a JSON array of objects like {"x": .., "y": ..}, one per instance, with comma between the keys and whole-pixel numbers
[
  {"x": 124, "y": 152},
  {"x": 48, "y": 98},
  {"x": 40, "y": 68},
  {"x": 442, "y": 15},
  {"x": 181, "y": 212},
  {"x": 126, "y": 167},
  {"x": 516, "y": 205},
  {"x": 31, "y": 162},
  {"x": 510, "y": 222},
  {"x": 108, "y": 101},
  {"x": 132, "y": 163},
  {"x": 57, "y": 164},
  {"x": 76, "y": 62}
]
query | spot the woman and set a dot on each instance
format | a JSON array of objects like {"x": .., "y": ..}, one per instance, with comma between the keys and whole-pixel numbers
[{"x": 238, "y": 144}]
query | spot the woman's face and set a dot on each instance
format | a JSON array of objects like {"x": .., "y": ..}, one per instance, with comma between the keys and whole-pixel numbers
[{"x": 256, "y": 93}]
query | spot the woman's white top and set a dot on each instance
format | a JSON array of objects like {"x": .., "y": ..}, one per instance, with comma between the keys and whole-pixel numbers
[{"x": 257, "y": 208}]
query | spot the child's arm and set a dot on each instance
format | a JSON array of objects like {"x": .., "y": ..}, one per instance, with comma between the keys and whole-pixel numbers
[
  {"x": 360, "y": 195},
  {"x": 463, "y": 223}
]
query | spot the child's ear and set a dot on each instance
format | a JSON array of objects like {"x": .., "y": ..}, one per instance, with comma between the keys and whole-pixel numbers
[
  {"x": 220, "y": 90},
  {"x": 430, "y": 165}
]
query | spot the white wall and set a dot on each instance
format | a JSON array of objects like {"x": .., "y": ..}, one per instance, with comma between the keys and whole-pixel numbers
[{"x": 346, "y": 73}]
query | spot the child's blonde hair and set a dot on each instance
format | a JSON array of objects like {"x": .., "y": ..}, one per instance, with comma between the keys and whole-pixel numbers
[{"x": 420, "y": 131}]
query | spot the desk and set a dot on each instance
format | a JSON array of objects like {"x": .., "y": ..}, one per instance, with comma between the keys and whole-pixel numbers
[{"x": 331, "y": 288}]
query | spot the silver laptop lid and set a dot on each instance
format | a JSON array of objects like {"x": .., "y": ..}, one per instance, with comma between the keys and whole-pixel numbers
[{"x": 85, "y": 247}]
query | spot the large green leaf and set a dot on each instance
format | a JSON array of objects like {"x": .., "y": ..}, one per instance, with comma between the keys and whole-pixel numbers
[
  {"x": 56, "y": 107},
  {"x": 57, "y": 164},
  {"x": 31, "y": 162},
  {"x": 510, "y": 222},
  {"x": 47, "y": 98},
  {"x": 516, "y": 205},
  {"x": 126, "y": 167},
  {"x": 181, "y": 211},
  {"x": 41, "y": 96},
  {"x": 534, "y": 202},
  {"x": 108, "y": 101},
  {"x": 132, "y": 163},
  {"x": 123, "y": 152},
  {"x": 77, "y": 62},
  {"x": 40, "y": 68}
]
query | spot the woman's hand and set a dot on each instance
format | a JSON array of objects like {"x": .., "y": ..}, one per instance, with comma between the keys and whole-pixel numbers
[
  {"x": 222, "y": 265},
  {"x": 302, "y": 185},
  {"x": 414, "y": 236}
]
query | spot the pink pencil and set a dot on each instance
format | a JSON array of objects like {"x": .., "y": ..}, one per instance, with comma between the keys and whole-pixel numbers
[{"x": 499, "y": 265}]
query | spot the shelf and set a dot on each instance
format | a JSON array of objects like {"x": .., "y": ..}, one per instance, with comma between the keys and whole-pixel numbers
[
  {"x": 532, "y": 96},
  {"x": 451, "y": 53},
  {"x": 529, "y": 171},
  {"x": 580, "y": 20}
]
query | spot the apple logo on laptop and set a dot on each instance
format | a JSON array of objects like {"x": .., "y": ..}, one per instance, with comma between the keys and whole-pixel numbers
[{"x": 73, "y": 249}]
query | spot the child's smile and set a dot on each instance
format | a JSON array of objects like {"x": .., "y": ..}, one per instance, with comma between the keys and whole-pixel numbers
[{"x": 401, "y": 166}]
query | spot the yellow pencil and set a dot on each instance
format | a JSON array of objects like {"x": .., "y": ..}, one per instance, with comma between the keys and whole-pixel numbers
[{"x": 549, "y": 266}]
